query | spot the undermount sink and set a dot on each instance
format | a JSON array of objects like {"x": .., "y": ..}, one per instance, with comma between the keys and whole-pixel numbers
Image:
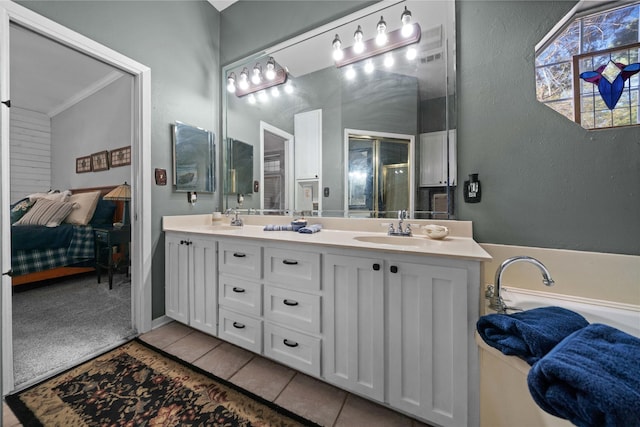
[
  {"x": 224, "y": 227},
  {"x": 393, "y": 240}
]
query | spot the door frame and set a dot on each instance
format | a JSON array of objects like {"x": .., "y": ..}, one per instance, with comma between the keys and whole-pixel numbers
[
  {"x": 141, "y": 248},
  {"x": 412, "y": 165},
  {"x": 288, "y": 169}
]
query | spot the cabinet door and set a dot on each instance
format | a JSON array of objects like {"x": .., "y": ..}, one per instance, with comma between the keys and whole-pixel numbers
[
  {"x": 203, "y": 313},
  {"x": 353, "y": 324},
  {"x": 177, "y": 275},
  {"x": 428, "y": 305},
  {"x": 433, "y": 159},
  {"x": 308, "y": 144}
]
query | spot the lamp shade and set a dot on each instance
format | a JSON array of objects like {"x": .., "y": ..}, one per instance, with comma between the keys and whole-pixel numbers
[{"x": 121, "y": 192}]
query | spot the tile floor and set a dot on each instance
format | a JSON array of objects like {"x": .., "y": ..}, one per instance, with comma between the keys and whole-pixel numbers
[{"x": 297, "y": 392}]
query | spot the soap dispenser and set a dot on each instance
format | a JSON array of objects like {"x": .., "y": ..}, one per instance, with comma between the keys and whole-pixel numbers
[{"x": 472, "y": 192}]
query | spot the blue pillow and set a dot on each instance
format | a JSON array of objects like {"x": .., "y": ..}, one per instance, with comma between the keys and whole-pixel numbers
[
  {"x": 104, "y": 212},
  {"x": 19, "y": 208}
]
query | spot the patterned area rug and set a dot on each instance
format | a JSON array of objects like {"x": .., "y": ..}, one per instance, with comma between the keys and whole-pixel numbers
[{"x": 139, "y": 385}]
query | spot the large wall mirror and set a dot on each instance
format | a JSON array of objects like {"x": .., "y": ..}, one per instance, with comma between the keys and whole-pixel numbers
[{"x": 350, "y": 132}]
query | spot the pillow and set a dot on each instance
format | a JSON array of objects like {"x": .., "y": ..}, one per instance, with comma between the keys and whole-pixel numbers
[
  {"x": 55, "y": 196},
  {"x": 46, "y": 212},
  {"x": 104, "y": 212},
  {"x": 19, "y": 208},
  {"x": 85, "y": 207}
]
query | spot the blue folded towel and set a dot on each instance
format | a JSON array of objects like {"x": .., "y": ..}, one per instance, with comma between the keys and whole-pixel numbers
[
  {"x": 275, "y": 227},
  {"x": 529, "y": 334},
  {"x": 592, "y": 378},
  {"x": 314, "y": 228}
]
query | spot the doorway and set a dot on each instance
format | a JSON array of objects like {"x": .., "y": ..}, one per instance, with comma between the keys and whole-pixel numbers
[
  {"x": 276, "y": 171},
  {"x": 378, "y": 174},
  {"x": 139, "y": 95}
]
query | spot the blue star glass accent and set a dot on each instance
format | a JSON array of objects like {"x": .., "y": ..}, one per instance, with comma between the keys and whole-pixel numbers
[{"x": 610, "y": 80}]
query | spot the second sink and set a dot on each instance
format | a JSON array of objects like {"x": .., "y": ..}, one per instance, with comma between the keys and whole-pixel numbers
[{"x": 393, "y": 240}]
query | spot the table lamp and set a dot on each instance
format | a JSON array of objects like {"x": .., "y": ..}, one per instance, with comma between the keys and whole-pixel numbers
[{"x": 121, "y": 193}]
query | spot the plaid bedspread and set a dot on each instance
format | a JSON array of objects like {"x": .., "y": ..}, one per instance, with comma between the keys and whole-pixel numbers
[{"x": 80, "y": 249}]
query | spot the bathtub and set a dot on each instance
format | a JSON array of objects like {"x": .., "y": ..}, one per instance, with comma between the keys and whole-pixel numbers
[{"x": 504, "y": 395}]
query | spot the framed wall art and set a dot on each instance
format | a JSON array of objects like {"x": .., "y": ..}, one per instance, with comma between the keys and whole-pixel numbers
[
  {"x": 100, "y": 161},
  {"x": 83, "y": 164},
  {"x": 121, "y": 156}
]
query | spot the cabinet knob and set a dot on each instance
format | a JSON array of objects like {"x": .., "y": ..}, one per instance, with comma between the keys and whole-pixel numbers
[
  {"x": 290, "y": 343},
  {"x": 376, "y": 267},
  {"x": 239, "y": 255},
  {"x": 238, "y": 290},
  {"x": 394, "y": 269},
  {"x": 290, "y": 302},
  {"x": 238, "y": 325},
  {"x": 289, "y": 262}
]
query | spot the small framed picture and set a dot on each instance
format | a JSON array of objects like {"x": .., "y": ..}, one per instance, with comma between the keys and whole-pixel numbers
[
  {"x": 121, "y": 156},
  {"x": 100, "y": 161},
  {"x": 83, "y": 164}
]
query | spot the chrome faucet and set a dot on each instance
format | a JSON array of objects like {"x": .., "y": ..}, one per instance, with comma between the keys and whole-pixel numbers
[
  {"x": 495, "y": 300},
  {"x": 234, "y": 221},
  {"x": 402, "y": 215}
]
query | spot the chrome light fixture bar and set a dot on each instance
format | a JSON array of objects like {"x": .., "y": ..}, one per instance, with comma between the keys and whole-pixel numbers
[{"x": 275, "y": 75}]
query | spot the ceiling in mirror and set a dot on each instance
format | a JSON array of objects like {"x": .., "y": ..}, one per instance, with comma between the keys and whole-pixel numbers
[{"x": 406, "y": 89}]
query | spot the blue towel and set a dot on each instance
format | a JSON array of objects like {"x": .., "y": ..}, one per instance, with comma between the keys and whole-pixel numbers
[
  {"x": 274, "y": 227},
  {"x": 529, "y": 334},
  {"x": 592, "y": 378},
  {"x": 314, "y": 228}
]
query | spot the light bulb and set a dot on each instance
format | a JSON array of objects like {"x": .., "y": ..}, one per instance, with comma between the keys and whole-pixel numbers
[
  {"x": 270, "y": 74},
  {"x": 411, "y": 53},
  {"x": 256, "y": 78},
  {"x": 368, "y": 67},
  {"x": 243, "y": 83},
  {"x": 381, "y": 38},
  {"x": 251, "y": 98},
  {"x": 288, "y": 88},
  {"x": 275, "y": 92},
  {"x": 358, "y": 47},
  {"x": 231, "y": 83},
  {"x": 407, "y": 26},
  {"x": 388, "y": 60},
  {"x": 338, "y": 54},
  {"x": 350, "y": 74},
  {"x": 262, "y": 96}
]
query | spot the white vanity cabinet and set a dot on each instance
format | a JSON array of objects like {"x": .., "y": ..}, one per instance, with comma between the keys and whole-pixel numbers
[
  {"x": 191, "y": 276},
  {"x": 427, "y": 345},
  {"x": 353, "y": 324}
]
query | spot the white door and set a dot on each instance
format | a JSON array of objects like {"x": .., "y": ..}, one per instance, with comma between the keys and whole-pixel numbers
[{"x": 279, "y": 184}]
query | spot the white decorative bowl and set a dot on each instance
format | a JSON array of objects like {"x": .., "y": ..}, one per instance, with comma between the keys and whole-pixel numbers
[{"x": 436, "y": 232}]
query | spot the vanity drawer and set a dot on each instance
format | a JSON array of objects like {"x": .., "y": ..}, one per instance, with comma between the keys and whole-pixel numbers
[
  {"x": 241, "y": 330},
  {"x": 240, "y": 259},
  {"x": 240, "y": 294},
  {"x": 296, "y": 269},
  {"x": 291, "y": 308},
  {"x": 292, "y": 348}
]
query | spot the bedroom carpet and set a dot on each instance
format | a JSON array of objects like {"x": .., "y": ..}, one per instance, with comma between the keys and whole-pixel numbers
[{"x": 59, "y": 324}]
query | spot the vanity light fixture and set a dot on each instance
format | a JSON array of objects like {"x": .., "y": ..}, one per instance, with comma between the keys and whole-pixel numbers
[
  {"x": 270, "y": 74},
  {"x": 275, "y": 92},
  {"x": 274, "y": 75},
  {"x": 338, "y": 54},
  {"x": 256, "y": 77},
  {"x": 262, "y": 96},
  {"x": 251, "y": 98},
  {"x": 409, "y": 33},
  {"x": 350, "y": 74},
  {"x": 381, "y": 29},
  {"x": 243, "y": 83},
  {"x": 231, "y": 82},
  {"x": 411, "y": 53}
]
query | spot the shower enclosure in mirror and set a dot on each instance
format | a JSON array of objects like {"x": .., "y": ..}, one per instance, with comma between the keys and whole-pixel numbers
[
  {"x": 395, "y": 99},
  {"x": 193, "y": 159}
]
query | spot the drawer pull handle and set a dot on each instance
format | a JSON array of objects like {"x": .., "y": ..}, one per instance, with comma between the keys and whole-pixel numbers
[
  {"x": 238, "y": 325},
  {"x": 290, "y": 343},
  {"x": 376, "y": 267},
  {"x": 394, "y": 269},
  {"x": 289, "y": 262},
  {"x": 238, "y": 290},
  {"x": 239, "y": 255},
  {"x": 290, "y": 302}
]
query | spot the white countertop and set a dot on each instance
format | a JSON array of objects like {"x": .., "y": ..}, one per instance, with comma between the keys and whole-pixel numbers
[{"x": 339, "y": 232}]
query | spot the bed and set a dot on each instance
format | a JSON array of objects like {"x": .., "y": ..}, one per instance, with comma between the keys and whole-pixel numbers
[{"x": 40, "y": 252}]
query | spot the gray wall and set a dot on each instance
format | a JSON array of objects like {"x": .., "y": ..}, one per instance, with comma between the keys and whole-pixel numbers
[
  {"x": 179, "y": 41},
  {"x": 546, "y": 181}
]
